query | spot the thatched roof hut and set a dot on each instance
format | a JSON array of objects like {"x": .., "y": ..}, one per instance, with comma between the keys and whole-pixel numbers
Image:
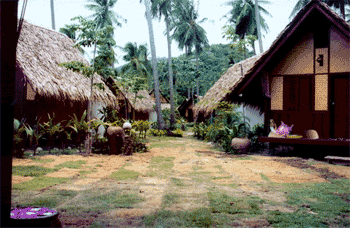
[
  {"x": 39, "y": 52},
  {"x": 283, "y": 41},
  {"x": 145, "y": 104},
  {"x": 222, "y": 89}
]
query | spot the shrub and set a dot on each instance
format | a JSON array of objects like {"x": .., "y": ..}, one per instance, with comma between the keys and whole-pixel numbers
[
  {"x": 257, "y": 130},
  {"x": 156, "y": 132},
  {"x": 142, "y": 126},
  {"x": 177, "y": 133}
]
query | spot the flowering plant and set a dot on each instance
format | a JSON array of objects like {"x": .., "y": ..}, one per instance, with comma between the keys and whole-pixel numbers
[
  {"x": 31, "y": 212},
  {"x": 284, "y": 130}
]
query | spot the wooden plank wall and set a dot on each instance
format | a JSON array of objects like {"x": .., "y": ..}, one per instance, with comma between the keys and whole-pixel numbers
[{"x": 317, "y": 120}]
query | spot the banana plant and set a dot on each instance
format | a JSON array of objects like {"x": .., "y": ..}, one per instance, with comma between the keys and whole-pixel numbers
[
  {"x": 80, "y": 128},
  {"x": 18, "y": 137},
  {"x": 51, "y": 130}
]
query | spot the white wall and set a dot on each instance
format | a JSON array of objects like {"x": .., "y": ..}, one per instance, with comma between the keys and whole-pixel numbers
[
  {"x": 95, "y": 113},
  {"x": 252, "y": 114}
]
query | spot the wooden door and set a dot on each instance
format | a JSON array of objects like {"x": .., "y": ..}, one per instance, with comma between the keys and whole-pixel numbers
[{"x": 340, "y": 106}]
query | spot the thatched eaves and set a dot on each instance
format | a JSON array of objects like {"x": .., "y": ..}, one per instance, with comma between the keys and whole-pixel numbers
[
  {"x": 309, "y": 10},
  {"x": 145, "y": 104},
  {"x": 39, "y": 52},
  {"x": 221, "y": 90}
]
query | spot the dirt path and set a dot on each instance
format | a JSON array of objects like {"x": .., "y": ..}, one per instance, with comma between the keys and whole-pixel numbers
[{"x": 184, "y": 169}]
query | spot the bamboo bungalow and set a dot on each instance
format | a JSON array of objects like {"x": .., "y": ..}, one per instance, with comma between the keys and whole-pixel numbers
[
  {"x": 186, "y": 108},
  {"x": 143, "y": 105},
  {"x": 43, "y": 87},
  {"x": 303, "y": 79},
  {"x": 129, "y": 108},
  {"x": 221, "y": 91},
  {"x": 164, "y": 102}
]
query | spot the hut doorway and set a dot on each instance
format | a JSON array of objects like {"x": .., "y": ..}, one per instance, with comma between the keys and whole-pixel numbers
[{"x": 340, "y": 106}]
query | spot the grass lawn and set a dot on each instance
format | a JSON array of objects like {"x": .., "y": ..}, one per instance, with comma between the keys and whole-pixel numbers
[{"x": 184, "y": 182}]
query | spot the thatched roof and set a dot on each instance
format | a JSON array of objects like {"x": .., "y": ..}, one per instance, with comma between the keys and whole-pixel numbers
[
  {"x": 39, "y": 52},
  {"x": 308, "y": 11},
  {"x": 221, "y": 89},
  {"x": 144, "y": 104},
  {"x": 162, "y": 98},
  {"x": 233, "y": 82}
]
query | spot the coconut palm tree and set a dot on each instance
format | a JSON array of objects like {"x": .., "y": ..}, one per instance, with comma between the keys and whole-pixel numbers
[
  {"x": 154, "y": 64},
  {"x": 69, "y": 31},
  {"x": 164, "y": 8},
  {"x": 338, "y": 4},
  {"x": 243, "y": 15},
  {"x": 188, "y": 33},
  {"x": 103, "y": 15},
  {"x": 52, "y": 15}
]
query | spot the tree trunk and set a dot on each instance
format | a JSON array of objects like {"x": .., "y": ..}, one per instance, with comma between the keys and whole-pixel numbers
[
  {"x": 257, "y": 18},
  {"x": 197, "y": 75},
  {"x": 9, "y": 11},
  {"x": 154, "y": 65},
  {"x": 88, "y": 143},
  {"x": 171, "y": 82},
  {"x": 53, "y": 15}
]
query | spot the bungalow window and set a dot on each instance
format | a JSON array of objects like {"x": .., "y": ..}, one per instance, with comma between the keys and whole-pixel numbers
[{"x": 297, "y": 93}]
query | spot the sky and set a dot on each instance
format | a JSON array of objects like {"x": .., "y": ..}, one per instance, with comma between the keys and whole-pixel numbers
[{"x": 136, "y": 28}]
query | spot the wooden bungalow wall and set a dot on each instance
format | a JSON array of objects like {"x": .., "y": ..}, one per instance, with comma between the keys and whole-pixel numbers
[{"x": 303, "y": 91}]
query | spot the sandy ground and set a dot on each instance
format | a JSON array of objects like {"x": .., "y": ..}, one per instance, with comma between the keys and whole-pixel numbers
[
  {"x": 191, "y": 160},
  {"x": 185, "y": 161}
]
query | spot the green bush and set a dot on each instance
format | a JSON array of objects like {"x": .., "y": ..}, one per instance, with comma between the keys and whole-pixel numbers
[
  {"x": 156, "y": 132},
  {"x": 142, "y": 126},
  {"x": 254, "y": 134},
  {"x": 177, "y": 133}
]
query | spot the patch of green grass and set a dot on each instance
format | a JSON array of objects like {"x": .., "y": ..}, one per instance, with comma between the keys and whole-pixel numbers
[
  {"x": 219, "y": 178},
  {"x": 124, "y": 174},
  {"x": 71, "y": 164},
  {"x": 234, "y": 185},
  {"x": 197, "y": 167},
  {"x": 281, "y": 219},
  {"x": 114, "y": 199},
  {"x": 330, "y": 201},
  {"x": 170, "y": 199},
  {"x": 177, "y": 182},
  {"x": 160, "y": 165},
  {"x": 244, "y": 158},
  {"x": 83, "y": 172},
  {"x": 264, "y": 177},
  {"x": 98, "y": 165},
  {"x": 39, "y": 183},
  {"x": 31, "y": 171},
  {"x": 43, "y": 161},
  {"x": 222, "y": 203},
  {"x": 50, "y": 198},
  {"x": 200, "y": 217}
]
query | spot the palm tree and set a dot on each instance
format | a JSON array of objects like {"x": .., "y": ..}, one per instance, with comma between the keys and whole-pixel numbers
[
  {"x": 243, "y": 15},
  {"x": 103, "y": 15},
  {"x": 338, "y": 4},
  {"x": 69, "y": 31},
  {"x": 154, "y": 64},
  {"x": 164, "y": 8},
  {"x": 135, "y": 56},
  {"x": 188, "y": 33},
  {"x": 52, "y": 15}
]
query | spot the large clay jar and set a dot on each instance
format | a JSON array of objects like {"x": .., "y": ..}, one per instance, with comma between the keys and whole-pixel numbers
[
  {"x": 241, "y": 144},
  {"x": 311, "y": 134},
  {"x": 116, "y": 137}
]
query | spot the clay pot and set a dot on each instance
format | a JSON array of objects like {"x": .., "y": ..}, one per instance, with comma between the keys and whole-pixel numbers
[
  {"x": 240, "y": 143},
  {"x": 311, "y": 134}
]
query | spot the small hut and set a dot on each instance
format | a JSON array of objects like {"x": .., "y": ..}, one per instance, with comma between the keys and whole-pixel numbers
[
  {"x": 164, "y": 102},
  {"x": 131, "y": 105},
  {"x": 186, "y": 108},
  {"x": 221, "y": 91},
  {"x": 43, "y": 87},
  {"x": 303, "y": 78},
  {"x": 143, "y": 105}
]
